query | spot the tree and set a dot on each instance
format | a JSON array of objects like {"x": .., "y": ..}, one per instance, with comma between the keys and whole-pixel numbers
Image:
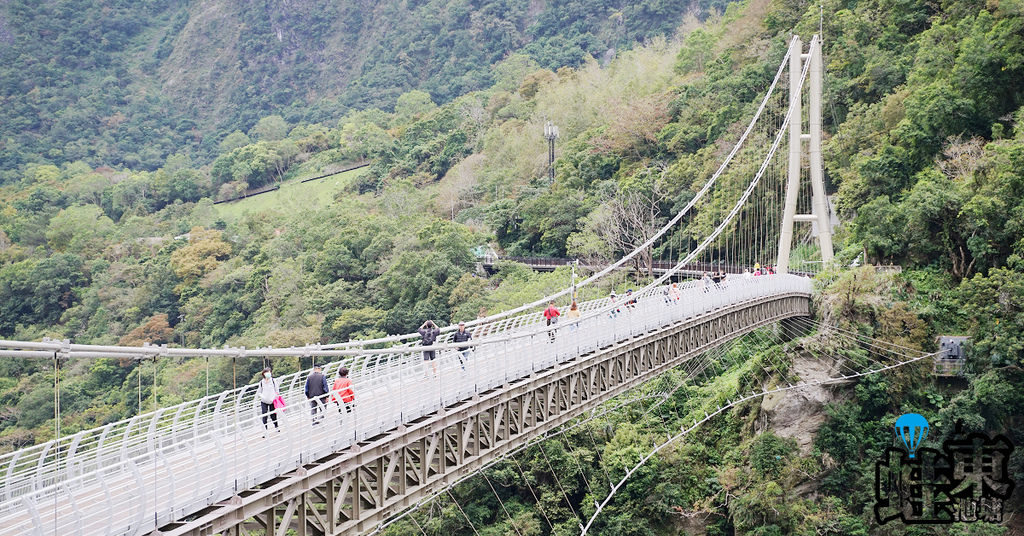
[
  {"x": 877, "y": 227},
  {"x": 633, "y": 126},
  {"x": 533, "y": 82},
  {"x": 458, "y": 184},
  {"x": 89, "y": 188},
  {"x": 39, "y": 291},
  {"x": 270, "y": 128},
  {"x": 353, "y": 321},
  {"x": 156, "y": 330},
  {"x": 233, "y": 141},
  {"x": 412, "y": 106},
  {"x": 696, "y": 51},
  {"x": 631, "y": 218},
  {"x": 79, "y": 229},
  {"x": 201, "y": 256},
  {"x": 994, "y": 305},
  {"x": 286, "y": 152},
  {"x": 589, "y": 246},
  {"x": 253, "y": 164},
  {"x": 362, "y": 140},
  {"x": 933, "y": 225},
  {"x": 509, "y": 72}
]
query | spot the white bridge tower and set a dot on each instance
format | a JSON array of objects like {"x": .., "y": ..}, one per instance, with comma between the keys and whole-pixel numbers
[{"x": 819, "y": 205}]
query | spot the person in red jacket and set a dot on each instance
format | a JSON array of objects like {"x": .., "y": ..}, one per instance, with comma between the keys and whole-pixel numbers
[
  {"x": 552, "y": 314},
  {"x": 341, "y": 391}
]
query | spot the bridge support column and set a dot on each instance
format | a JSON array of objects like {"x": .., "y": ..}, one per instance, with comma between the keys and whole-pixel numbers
[
  {"x": 795, "y": 152},
  {"x": 819, "y": 204},
  {"x": 814, "y": 151}
]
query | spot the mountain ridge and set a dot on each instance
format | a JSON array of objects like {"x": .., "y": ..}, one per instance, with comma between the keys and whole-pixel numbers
[{"x": 124, "y": 83}]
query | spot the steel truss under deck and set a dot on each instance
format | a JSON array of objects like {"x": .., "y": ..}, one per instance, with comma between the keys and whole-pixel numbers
[{"x": 354, "y": 490}]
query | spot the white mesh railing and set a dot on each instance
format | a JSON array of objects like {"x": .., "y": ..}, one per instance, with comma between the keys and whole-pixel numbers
[
  {"x": 152, "y": 469},
  {"x": 157, "y": 467}
]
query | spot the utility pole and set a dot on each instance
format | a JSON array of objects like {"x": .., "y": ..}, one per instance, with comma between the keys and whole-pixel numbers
[
  {"x": 572, "y": 267},
  {"x": 551, "y": 133}
]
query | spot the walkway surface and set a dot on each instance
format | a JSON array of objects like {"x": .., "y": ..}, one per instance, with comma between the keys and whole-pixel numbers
[{"x": 174, "y": 462}]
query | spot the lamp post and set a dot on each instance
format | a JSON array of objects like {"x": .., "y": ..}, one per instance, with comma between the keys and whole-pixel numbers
[
  {"x": 551, "y": 133},
  {"x": 572, "y": 267}
]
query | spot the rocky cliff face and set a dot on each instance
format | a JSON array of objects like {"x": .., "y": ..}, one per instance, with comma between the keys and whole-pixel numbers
[{"x": 798, "y": 414}]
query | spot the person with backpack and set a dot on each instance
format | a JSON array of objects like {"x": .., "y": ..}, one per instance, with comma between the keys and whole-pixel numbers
[
  {"x": 428, "y": 333},
  {"x": 341, "y": 391},
  {"x": 268, "y": 392},
  {"x": 462, "y": 336},
  {"x": 551, "y": 314},
  {"x": 316, "y": 388}
]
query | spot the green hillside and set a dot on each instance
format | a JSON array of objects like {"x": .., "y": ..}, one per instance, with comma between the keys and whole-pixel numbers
[
  {"x": 128, "y": 83},
  {"x": 293, "y": 195},
  {"x": 924, "y": 151}
]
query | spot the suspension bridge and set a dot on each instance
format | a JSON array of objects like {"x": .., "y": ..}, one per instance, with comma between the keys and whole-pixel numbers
[{"x": 212, "y": 466}]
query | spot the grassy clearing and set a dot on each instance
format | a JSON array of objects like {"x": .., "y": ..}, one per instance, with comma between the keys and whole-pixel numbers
[{"x": 293, "y": 195}]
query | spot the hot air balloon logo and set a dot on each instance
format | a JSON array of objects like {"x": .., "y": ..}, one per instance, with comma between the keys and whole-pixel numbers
[{"x": 912, "y": 428}]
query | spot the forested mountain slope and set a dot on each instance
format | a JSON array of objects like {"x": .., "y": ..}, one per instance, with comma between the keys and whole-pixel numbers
[
  {"x": 125, "y": 82},
  {"x": 925, "y": 153}
]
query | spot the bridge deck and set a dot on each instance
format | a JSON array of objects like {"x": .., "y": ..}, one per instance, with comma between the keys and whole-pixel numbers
[{"x": 198, "y": 464}]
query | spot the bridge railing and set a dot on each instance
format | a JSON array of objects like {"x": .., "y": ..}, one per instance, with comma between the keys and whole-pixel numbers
[
  {"x": 182, "y": 458},
  {"x": 124, "y": 437}
]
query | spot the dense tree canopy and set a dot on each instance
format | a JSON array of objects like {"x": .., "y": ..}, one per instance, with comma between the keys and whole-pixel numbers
[
  {"x": 123, "y": 83},
  {"x": 109, "y": 232}
]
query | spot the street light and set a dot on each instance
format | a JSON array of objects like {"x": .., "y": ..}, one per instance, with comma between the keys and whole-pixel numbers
[
  {"x": 551, "y": 133},
  {"x": 572, "y": 266}
]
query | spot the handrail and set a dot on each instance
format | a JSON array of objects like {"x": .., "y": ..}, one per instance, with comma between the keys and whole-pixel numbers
[
  {"x": 161, "y": 439},
  {"x": 223, "y": 424}
]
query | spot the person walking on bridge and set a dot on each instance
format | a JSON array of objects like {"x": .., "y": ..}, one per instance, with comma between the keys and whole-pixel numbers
[
  {"x": 573, "y": 315},
  {"x": 462, "y": 336},
  {"x": 428, "y": 333},
  {"x": 674, "y": 294},
  {"x": 551, "y": 314},
  {"x": 630, "y": 299},
  {"x": 341, "y": 391},
  {"x": 316, "y": 389},
  {"x": 267, "y": 392}
]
